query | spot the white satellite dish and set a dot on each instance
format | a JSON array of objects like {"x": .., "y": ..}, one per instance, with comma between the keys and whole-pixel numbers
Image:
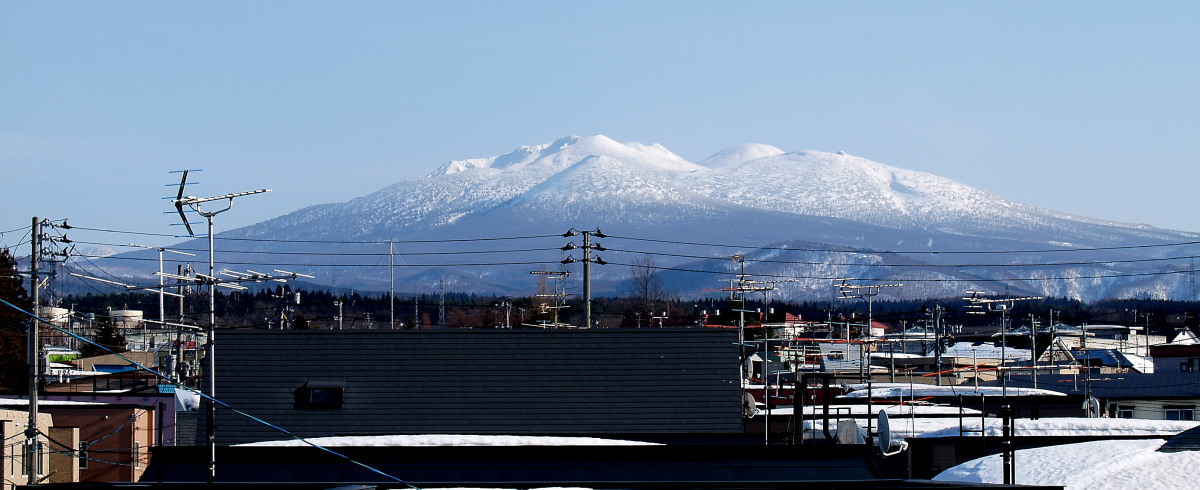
[
  {"x": 885, "y": 432},
  {"x": 885, "y": 436}
]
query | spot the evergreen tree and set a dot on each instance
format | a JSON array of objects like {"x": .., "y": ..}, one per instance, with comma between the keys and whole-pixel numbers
[
  {"x": 106, "y": 334},
  {"x": 14, "y": 371}
]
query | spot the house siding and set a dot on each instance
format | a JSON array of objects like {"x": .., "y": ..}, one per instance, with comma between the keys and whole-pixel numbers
[{"x": 480, "y": 382}]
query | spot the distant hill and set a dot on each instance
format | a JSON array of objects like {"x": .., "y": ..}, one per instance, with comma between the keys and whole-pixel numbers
[{"x": 802, "y": 218}]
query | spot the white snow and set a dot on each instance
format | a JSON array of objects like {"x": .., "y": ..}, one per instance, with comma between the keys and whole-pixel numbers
[
  {"x": 1072, "y": 426},
  {"x": 904, "y": 427},
  {"x": 903, "y": 390},
  {"x": 740, "y": 154},
  {"x": 1088, "y": 465},
  {"x": 987, "y": 350},
  {"x": 860, "y": 410},
  {"x": 451, "y": 440}
]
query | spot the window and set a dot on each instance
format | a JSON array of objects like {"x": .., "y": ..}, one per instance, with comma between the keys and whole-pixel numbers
[
  {"x": 1124, "y": 412},
  {"x": 1183, "y": 367},
  {"x": 1179, "y": 413},
  {"x": 319, "y": 395}
]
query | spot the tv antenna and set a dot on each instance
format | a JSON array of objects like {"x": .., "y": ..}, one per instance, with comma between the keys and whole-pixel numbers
[{"x": 195, "y": 204}]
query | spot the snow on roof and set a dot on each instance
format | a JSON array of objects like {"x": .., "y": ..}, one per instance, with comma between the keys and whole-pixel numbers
[
  {"x": 987, "y": 350},
  {"x": 1074, "y": 427},
  {"x": 904, "y": 390},
  {"x": 1139, "y": 363},
  {"x": 23, "y": 402},
  {"x": 860, "y": 410},
  {"x": 452, "y": 440},
  {"x": 928, "y": 427},
  {"x": 1087, "y": 465}
]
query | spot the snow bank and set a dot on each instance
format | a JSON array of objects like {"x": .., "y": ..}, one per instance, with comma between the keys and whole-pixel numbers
[{"x": 1088, "y": 465}]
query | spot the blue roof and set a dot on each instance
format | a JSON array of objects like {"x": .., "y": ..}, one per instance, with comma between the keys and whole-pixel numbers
[
  {"x": 114, "y": 368},
  {"x": 1107, "y": 357}
]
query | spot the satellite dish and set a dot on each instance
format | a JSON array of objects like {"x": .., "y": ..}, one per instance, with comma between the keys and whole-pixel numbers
[
  {"x": 885, "y": 433},
  {"x": 749, "y": 405},
  {"x": 885, "y": 436}
]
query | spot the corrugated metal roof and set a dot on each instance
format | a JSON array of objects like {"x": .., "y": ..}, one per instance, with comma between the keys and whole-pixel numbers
[
  {"x": 1188, "y": 440},
  {"x": 1118, "y": 386},
  {"x": 479, "y": 382}
]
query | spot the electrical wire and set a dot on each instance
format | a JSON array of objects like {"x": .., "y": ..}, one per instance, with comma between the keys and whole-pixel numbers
[
  {"x": 270, "y": 240},
  {"x": 831, "y": 278},
  {"x": 335, "y": 254},
  {"x": 921, "y": 265},
  {"x": 283, "y": 264},
  {"x": 912, "y": 252},
  {"x": 843, "y": 250}
]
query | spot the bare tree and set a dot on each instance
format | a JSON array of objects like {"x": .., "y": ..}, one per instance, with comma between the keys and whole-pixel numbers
[{"x": 646, "y": 287}]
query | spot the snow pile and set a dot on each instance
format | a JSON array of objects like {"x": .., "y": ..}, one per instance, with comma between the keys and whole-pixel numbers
[
  {"x": 1087, "y": 465},
  {"x": 1073, "y": 427},
  {"x": 425, "y": 440}
]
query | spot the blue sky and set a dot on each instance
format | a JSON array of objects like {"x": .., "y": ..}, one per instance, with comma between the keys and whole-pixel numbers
[{"x": 1084, "y": 107}]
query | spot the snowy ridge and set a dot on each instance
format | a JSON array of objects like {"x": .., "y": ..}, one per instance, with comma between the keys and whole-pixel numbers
[{"x": 749, "y": 194}]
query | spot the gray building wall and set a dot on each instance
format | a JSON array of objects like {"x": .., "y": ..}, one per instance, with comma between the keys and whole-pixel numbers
[{"x": 552, "y": 382}]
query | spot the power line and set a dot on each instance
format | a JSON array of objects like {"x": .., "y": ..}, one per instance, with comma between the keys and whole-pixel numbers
[
  {"x": 283, "y": 264},
  {"x": 362, "y": 242},
  {"x": 335, "y": 254},
  {"x": 911, "y": 252},
  {"x": 1011, "y": 279},
  {"x": 919, "y": 266}
]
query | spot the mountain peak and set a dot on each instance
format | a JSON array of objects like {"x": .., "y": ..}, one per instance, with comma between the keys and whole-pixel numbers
[
  {"x": 569, "y": 150},
  {"x": 740, "y": 154}
]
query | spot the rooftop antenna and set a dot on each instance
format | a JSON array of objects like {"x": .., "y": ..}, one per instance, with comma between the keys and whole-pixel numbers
[
  {"x": 1004, "y": 306},
  {"x": 195, "y": 204}
]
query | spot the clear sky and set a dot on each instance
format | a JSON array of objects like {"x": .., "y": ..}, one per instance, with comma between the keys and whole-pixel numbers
[{"x": 1087, "y": 107}]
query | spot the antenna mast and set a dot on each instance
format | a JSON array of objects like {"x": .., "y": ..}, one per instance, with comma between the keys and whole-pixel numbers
[{"x": 195, "y": 203}]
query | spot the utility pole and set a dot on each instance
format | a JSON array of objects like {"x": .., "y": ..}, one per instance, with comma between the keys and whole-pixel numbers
[
  {"x": 32, "y": 442},
  {"x": 863, "y": 291},
  {"x": 558, "y": 294},
  {"x": 506, "y": 305},
  {"x": 738, "y": 294},
  {"x": 938, "y": 308},
  {"x": 1033, "y": 347},
  {"x": 868, "y": 292},
  {"x": 1004, "y": 306},
  {"x": 391, "y": 289},
  {"x": 588, "y": 246}
]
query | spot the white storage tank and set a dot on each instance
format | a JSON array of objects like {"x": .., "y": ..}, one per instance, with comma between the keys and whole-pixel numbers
[
  {"x": 56, "y": 316},
  {"x": 126, "y": 318}
]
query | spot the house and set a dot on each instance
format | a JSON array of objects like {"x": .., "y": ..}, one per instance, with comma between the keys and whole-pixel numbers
[
  {"x": 52, "y": 466},
  {"x": 102, "y": 442},
  {"x": 370, "y": 382},
  {"x": 1156, "y": 396},
  {"x": 1178, "y": 358}
]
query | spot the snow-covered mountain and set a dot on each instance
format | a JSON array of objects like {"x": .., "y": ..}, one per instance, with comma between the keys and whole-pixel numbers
[{"x": 802, "y": 217}]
